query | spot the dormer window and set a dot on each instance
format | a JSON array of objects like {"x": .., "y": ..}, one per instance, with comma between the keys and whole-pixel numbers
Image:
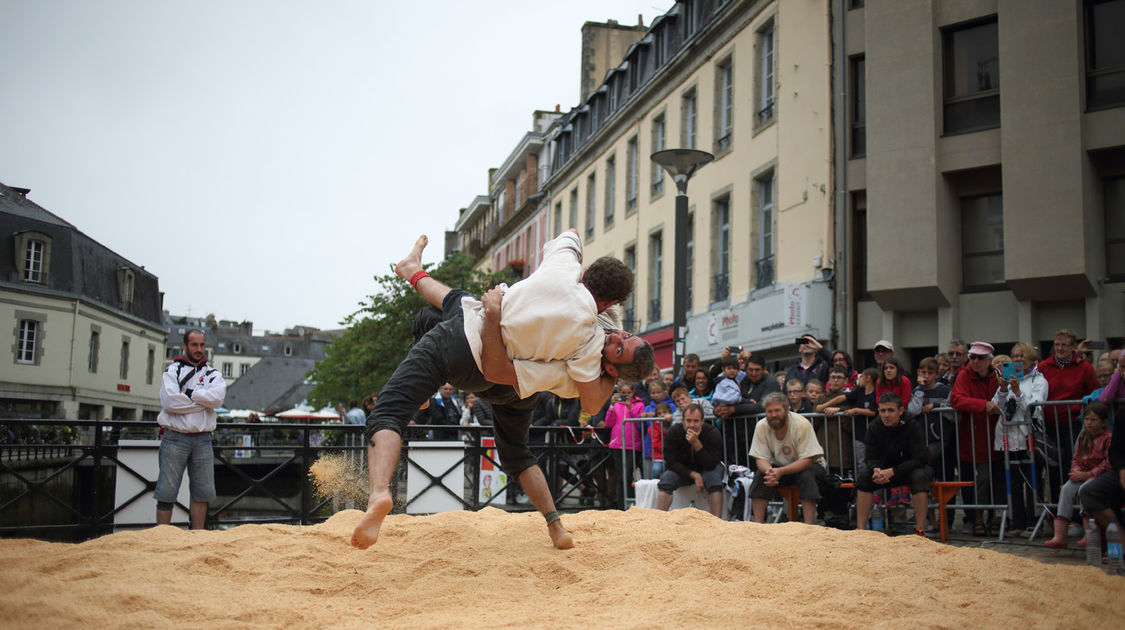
[
  {"x": 126, "y": 280},
  {"x": 33, "y": 256},
  {"x": 237, "y": 347}
]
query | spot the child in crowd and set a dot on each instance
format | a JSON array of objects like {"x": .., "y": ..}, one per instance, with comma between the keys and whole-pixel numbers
[
  {"x": 864, "y": 407},
  {"x": 728, "y": 386},
  {"x": 1110, "y": 385},
  {"x": 656, "y": 431},
  {"x": 834, "y": 432},
  {"x": 1091, "y": 460},
  {"x": 929, "y": 394},
  {"x": 682, "y": 398},
  {"x": 658, "y": 395},
  {"x": 943, "y": 364},
  {"x": 779, "y": 376},
  {"x": 892, "y": 378},
  {"x": 814, "y": 391},
  {"x": 624, "y": 435},
  {"x": 795, "y": 391}
]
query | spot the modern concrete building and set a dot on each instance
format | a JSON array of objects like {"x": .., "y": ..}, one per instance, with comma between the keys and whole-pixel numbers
[
  {"x": 981, "y": 162},
  {"x": 85, "y": 324}
]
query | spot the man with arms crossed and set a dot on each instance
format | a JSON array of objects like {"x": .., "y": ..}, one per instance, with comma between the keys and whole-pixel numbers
[
  {"x": 190, "y": 392},
  {"x": 543, "y": 334}
]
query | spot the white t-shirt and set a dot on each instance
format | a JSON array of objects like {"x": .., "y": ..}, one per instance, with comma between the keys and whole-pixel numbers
[
  {"x": 799, "y": 442},
  {"x": 549, "y": 323}
]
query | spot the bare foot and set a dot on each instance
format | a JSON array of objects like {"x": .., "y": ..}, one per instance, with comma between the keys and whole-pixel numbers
[
  {"x": 412, "y": 264},
  {"x": 367, "y": 530},
  {"x": 559, "y": 536}
]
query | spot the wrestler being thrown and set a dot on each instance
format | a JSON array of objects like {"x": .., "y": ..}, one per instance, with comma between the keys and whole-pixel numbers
[{"x": 548, "y": 332}]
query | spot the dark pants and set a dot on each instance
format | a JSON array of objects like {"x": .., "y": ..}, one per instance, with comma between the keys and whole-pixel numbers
[
  {"x": 921, "y": 480},
  {"x": 806, "y": 482},
  {"x": 442, "y": 356}
]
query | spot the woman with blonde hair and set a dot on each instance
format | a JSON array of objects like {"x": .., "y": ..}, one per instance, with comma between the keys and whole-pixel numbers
[{"x": 1018, "y": 419}]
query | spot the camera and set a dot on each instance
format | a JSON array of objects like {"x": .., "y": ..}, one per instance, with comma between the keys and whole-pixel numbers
[
  {"x": 1095, "y": 345},
  {"x": 734, "y": 350},
  {"x": 800, "y": 341}
]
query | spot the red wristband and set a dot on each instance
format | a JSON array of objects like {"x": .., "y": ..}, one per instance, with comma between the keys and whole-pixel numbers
[{"x": 418, "y": 275}]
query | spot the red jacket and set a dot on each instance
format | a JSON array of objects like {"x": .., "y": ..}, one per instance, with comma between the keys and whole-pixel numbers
[
  {"x": 974, "y": 427},
  {"x": 902, "y": 388},
  {"x": 1071, "y": 382}
]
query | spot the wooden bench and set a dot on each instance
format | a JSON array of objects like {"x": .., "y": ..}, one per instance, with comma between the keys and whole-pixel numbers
[{"x": 942, "y": 491}]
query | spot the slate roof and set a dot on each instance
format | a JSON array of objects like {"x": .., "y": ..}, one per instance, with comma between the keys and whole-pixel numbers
[{"x": 271, "y": 385}]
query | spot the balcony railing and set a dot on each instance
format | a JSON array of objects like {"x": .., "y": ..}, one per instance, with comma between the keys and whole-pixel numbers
[
  {"x": 764, "y": 271},
  {"x": 722, "y": 287},
  {"x": 766, "y": 113}
]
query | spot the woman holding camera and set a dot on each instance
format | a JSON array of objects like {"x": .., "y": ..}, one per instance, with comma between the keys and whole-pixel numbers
[{"x": 624, "y": 436}]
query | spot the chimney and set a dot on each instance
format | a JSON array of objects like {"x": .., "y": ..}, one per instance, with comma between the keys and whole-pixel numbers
[{"x": 558, "y": 108}]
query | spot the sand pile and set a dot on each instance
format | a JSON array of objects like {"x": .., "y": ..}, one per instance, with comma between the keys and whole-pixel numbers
[{"x": 635, "y": 569}]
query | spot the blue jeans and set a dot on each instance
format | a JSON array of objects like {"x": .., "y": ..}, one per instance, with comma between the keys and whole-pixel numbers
[{"x": 194, "y": 452}]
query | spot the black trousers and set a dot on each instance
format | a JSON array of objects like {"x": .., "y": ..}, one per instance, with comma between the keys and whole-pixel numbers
[{"x": 442, "y": 355}]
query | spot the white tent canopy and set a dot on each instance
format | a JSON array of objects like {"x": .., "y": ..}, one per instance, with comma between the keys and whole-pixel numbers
[{"x": 304, "y": 412}]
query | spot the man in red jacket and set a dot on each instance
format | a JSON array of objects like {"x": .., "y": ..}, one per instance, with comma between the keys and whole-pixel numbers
[
  {"x": 1069, "y": 377},
  {"x": 976, "y": 422}
]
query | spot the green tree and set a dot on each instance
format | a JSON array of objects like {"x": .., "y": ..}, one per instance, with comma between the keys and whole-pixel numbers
[{"x": 378, "y": 336}]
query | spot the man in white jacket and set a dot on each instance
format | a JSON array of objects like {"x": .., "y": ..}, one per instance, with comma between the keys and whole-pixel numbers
[{"x": 190, "y": 392}]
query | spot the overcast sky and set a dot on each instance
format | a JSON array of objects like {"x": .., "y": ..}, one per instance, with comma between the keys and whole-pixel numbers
[{"x": 266, "y": 158}]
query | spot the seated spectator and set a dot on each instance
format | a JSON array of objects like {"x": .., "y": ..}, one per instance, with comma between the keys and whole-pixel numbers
[
  {"x": 795, "y": 392},
  {"x": 892, "y": 378},
  {"x": 682, "y": 398},
  {"x": 728, "y": 387},
  {"x": 1103, "y": 497},
  {"x": 931, "y": 393},
  {"x": 702, "y": 385},
  {"x": 1015, "y": 398},
  {"x": 860, "y": 407},
  {"x": 971, "y": 396},
  {"x": 1091, "y": 460},
  {"x": 842, "y": 359},
  {"x": 786, "y": 453},
  {"x": 896, "y": 455},
  {"x": 693, "y": 453},
  {"x": 656, "y": 429},
  {"x": 813, "y": 362}
]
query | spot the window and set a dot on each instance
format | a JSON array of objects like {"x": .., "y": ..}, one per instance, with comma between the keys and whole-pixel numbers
[
  {"x": 126, "y": 280},
  {"x": 689, "y": 266},
  {"x": 630, "y": 322},
  {"x": 688, "y": 114},
  {"x": 228, "y": 369},
  {"x": 591, "y": 195},
  {"x": 982, "y": 242},
  {"x": 610, "y": 189},
  {"x": 766, "y": 74},
  {"x": 150, "y": 364},
  {"x": 243, "y": 368},
  {"x": 971, "y": 74},
  {"x": 28, "y": 349},
  {"x": 724, "y": 103},
  {"x": 859, "y": 107},
  {"x": 558, "y": 218},
  {"x": 1115, "y": 228},
  {"x": 655, "y": 273},
  {"x": 689, "y": 16},
  {"x": 95, "y": 347},
  {"x": 124, "y": 358},
  {"x": 33, "y": 256},
  {"x": 859, "y": 245},
  {"x": 265, "y": 349},
  {"x": 1105, "y": 54},
  {"x": 574, "y": 209},
  {"x": 764, "y": 266},
  {"x": 633, "y": 155},
  {"x": 237, "y": 347},
  {"x": 660, "y": 48},
  {"x": 288, "y": 350},
  {"x": 659, "y": 130},
  {"x": 720, "y": 213}
]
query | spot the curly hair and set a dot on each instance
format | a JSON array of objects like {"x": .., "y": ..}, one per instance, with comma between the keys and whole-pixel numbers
[
  {"x": 608, "y": 279},
  {"x": 643, "y": 360}
]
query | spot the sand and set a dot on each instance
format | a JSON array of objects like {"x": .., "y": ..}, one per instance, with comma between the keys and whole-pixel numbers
[{"x": 636, "y": 569}]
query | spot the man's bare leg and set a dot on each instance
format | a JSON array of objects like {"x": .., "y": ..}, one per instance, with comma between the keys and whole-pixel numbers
[
  {"x": 382, "y": 458},
  {"x": 198, "y": 511},
  {"x": 758, "y": 509},
  {"x": 809, "y": 507},
  {"x": 663, "y": 500},
  {"x": 715, "y": 501},
  {"x": 163, "y": 517},
  {"x": 535, "y": 485},
  {"x": 431, "y": 290},
  {"x": 863, "y": 502}
]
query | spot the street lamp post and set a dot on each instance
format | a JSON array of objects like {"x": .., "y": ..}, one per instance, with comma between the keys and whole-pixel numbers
[{"x": 681, "y": 164}]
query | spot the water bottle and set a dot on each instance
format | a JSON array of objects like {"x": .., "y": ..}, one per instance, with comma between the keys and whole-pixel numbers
[
  {"x": 1093, "y": 544},
  {"x": 1113, "y": 549},
  {"x": 877, "y": 521}
]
